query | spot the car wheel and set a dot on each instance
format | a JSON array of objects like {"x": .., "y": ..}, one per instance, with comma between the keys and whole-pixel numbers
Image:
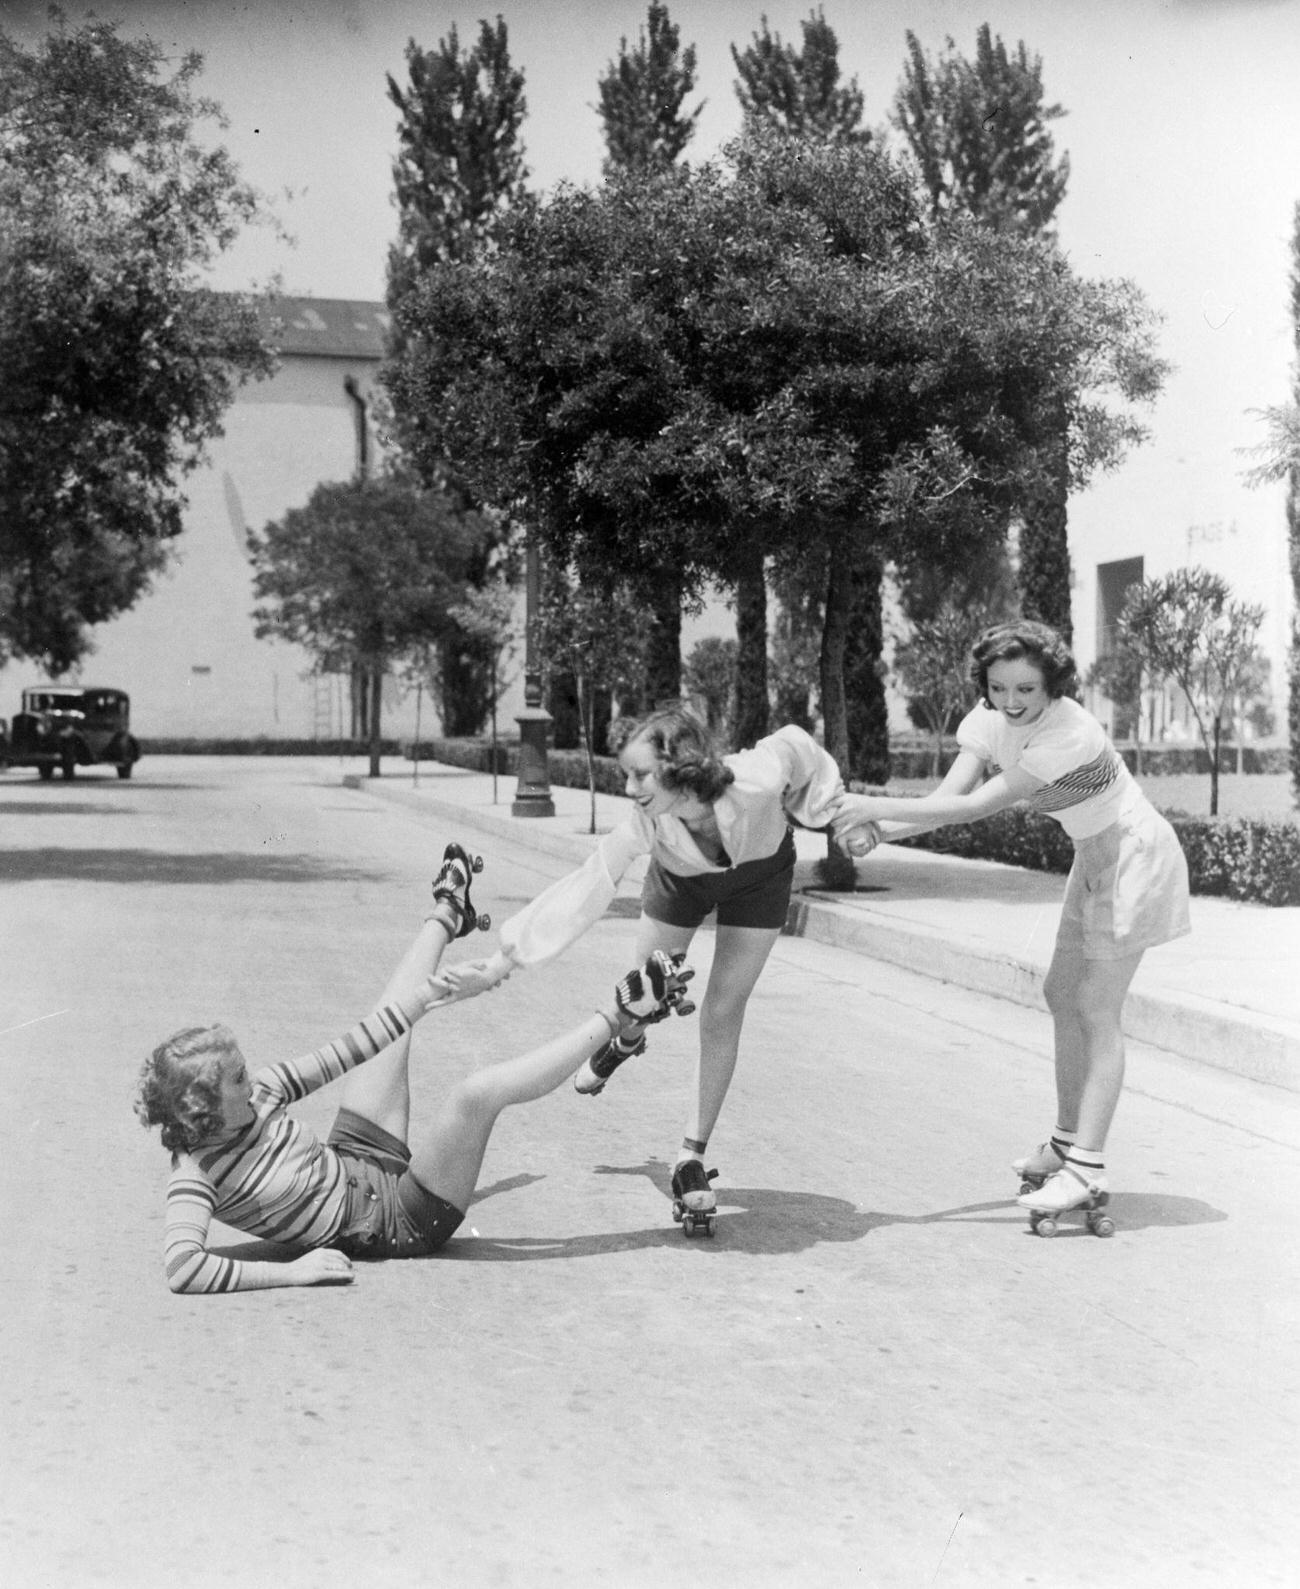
[
  {"x": 125, "y": 768},
  {"x": 46, "y": 772}
]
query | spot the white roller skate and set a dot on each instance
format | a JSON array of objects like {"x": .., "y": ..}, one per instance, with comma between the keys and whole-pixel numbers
[
  {"x": 1035, "y": 1167},
  {"x": 694, "y": 1205},
  {"x": 1068, "y": 1192},
  {"x": 451, "y": 888}
]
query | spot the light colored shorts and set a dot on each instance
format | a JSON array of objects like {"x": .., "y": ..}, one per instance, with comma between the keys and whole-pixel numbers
[
  {"x": 389, "y": 1214},
  {"x": 1127, "y": 890}
]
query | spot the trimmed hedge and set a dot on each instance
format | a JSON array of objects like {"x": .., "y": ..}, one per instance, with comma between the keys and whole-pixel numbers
[
  {"x": 1232, "y": 858},
  {"x": 568, "y": 768},
  {"x": 916, "y": 760},
  {"x": 266, "y": 747}
]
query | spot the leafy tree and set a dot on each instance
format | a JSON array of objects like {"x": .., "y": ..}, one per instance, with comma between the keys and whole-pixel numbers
[
  {"x": 710, "y": 677},
  {"x": 592, "y": 633},
  {"x": 642, "y": 95},
  {"x": 933, "y": 665},
  {"x": 118, "y": 363},
  {"x": 777, "y": 359},
  {"x": 459, "y": 171},
  {"x": 641, "y": 100},
  {"x": 1187, "y": 628},
  {"x": 795, "y": 647},
  {"x": 365, "y": 574},
  {"x": 798, "y": 92},
  {"x": 460, "y": 162},
  {"x": 979, "y": 132},
  {"x": 1121, "y": 675},
  {"x": 487, "y": 615},
  {"x": 1278, "y": 458}
]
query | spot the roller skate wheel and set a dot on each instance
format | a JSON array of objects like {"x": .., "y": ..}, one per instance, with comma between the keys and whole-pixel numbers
[
  {"x": 484, "y": 921},
  {"x": 1101, "y": 1224},
  {"x": 679, "y": 1212},
  {"x": 710, "y": 1226},
  {"x": 475, "y": 863},
  {"x": 1029, "y": 1183},
  {"x": 1042, "y": 1225}
]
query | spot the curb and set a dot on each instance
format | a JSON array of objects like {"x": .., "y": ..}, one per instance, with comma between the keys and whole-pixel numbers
[{"x": 1242, "y": 1042}]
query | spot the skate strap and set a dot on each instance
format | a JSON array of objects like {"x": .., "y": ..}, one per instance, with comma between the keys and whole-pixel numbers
[{"x": 1084, "y": 1181}]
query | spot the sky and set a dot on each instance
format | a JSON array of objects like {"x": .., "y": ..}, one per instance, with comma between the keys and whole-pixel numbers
[{"x": 1182, "y": 126}]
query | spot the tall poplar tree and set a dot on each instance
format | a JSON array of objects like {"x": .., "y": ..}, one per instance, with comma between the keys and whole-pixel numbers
[
  {"x": 459, "y": 171},
  {"x": 642, "y": 95},
  {"x": 979, "y": 132},
  {"x": 798, "y": 93}
]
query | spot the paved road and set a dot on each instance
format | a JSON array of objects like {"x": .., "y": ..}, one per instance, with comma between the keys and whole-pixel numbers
[{"x": 873, "y": 1376}]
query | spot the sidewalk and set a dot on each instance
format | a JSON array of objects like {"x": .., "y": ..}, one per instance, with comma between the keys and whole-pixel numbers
[{"x": 1228, "y": 995}]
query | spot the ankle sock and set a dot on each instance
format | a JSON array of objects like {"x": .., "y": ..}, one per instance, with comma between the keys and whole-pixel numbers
[
  {"x": 1087, "y": 1163},
  {"x": 1062, "y": 1141},
  {"x": 691, "y": 1149}
]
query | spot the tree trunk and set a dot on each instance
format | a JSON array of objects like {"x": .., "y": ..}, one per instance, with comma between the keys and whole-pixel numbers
[
  {"x": 838, "y": 871},
  {"x": 564, "y": 705},
  {"x": 1215, "y": 741},
  {"x": 864, "y": 685},
  {"x": 376, "y": 713},
  {"x": 1045, "y": 546},
  {"x": 464, "y": 690},
  {"x": 752, "y": 710},
  {"x": 664, "y": 648}
]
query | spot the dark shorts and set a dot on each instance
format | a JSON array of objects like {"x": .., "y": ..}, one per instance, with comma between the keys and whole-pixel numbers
[
  {"x": 388, "y": 1213},
  {"x": 753, "y": 894}
]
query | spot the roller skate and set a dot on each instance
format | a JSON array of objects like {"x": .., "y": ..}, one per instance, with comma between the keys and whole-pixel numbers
[
  {"x": 1035, "y": 1167},
  {"x": 604, "y": 1062},
  {"x": 694, "y": 1204},
  {"x": 645, "y": 995},
  {"x": 451, "y": 888},
  {"x": 1068, "y": 1192}
]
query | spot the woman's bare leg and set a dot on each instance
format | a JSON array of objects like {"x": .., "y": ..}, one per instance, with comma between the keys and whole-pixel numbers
[
  {"x": 380, "y": 1090},
  {"x": 739, "y": 955},
  {"x": 448, "y": 1159},
  {"x": 1086, "y": 998}
]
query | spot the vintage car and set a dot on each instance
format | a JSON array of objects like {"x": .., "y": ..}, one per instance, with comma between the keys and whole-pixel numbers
[{"x": 69, "y": 727}]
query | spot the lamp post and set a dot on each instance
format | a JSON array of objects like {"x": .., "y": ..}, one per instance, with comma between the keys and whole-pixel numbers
[{"x": 533, "y": 793}]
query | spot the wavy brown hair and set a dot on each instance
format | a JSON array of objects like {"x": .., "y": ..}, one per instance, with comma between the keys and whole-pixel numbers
[
  {"x": 688, "y": 755},
  {"x": 180, "y": 1086},
  {"x": 1024, "y": 638}
]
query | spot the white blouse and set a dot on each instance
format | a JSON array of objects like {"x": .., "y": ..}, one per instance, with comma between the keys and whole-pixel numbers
[{"x": 786, "y": 777}]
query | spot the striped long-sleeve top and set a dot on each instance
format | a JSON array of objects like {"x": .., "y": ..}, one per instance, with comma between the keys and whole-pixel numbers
[
  {"x": 1085, "y": 783},
  {"x": 275, "y": 1178}
]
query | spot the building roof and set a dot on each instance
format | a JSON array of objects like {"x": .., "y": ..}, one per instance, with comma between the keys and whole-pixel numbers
[{"x": 326, "y": 327}]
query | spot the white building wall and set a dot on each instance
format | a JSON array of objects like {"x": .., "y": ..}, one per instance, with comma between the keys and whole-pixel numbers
[{"x": 187, "y": 653}]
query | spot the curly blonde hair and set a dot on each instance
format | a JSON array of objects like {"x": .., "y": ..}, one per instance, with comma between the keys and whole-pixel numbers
[
  {"x": 688, "y": 755},
  {"x": 180, "y": 1086}
]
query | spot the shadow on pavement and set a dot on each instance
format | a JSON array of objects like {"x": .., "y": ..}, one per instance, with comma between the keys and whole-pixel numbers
[
  {"x": 1129, "y": 1210},
  {"x": 163, "y": 866},
  {"x": 57, "y": 808},
  {"x": 764, "y": 1220}
]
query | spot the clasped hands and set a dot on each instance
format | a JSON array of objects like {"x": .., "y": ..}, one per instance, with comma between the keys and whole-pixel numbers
[{"x": 855, "y": 824}]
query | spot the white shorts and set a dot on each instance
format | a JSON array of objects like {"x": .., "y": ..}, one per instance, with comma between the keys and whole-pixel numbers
[{"x": 1127, "y": 890}]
